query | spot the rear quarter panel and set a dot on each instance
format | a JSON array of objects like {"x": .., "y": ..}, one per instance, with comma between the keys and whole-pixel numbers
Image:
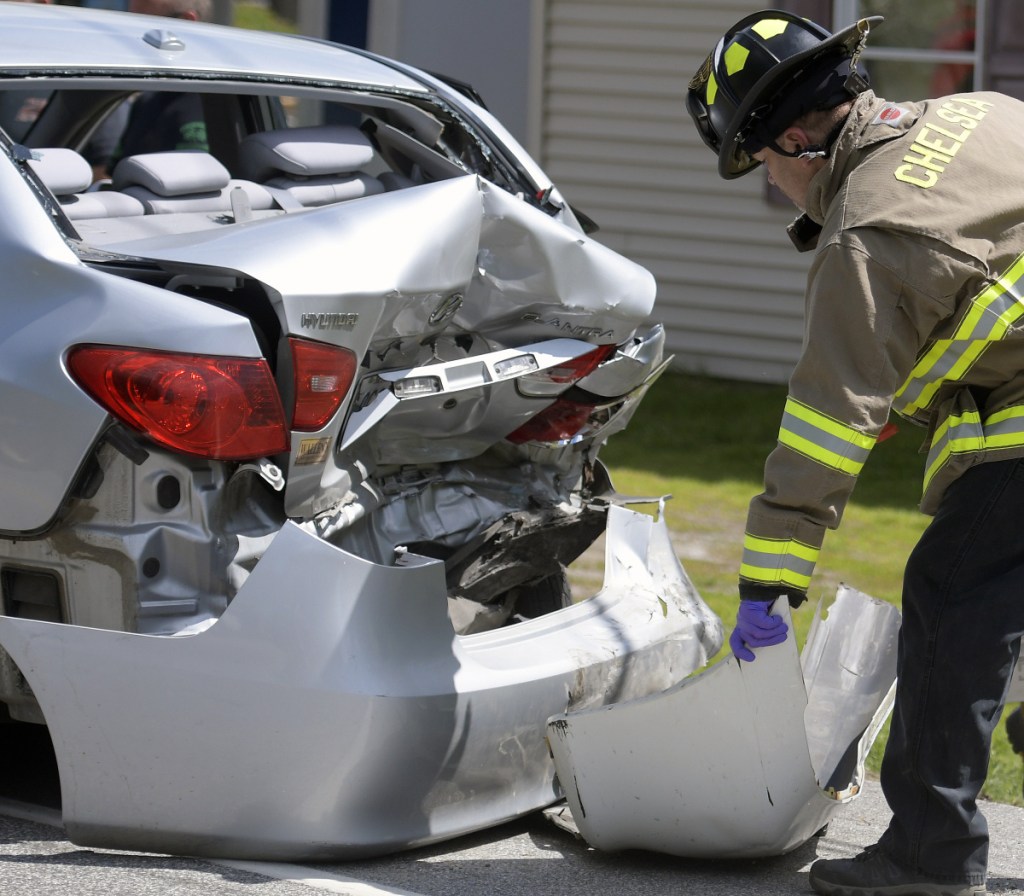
[{"x": 50, "y": 301}]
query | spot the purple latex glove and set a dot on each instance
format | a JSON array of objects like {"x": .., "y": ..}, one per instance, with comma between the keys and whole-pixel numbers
[{"x": 755, "y": 627}]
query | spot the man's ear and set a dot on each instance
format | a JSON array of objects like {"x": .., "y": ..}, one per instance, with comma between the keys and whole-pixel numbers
[{"x": 794, "y": 139}]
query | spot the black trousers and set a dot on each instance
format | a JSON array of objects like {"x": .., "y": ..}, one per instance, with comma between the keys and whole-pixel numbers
[{"x": 963, "y": 617}]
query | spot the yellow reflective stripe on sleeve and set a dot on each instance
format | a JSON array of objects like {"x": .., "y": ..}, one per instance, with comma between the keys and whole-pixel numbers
[
  {"x": 771, "y": 561},
  {"x": 712, "y": 89},
  {"x": 990, "y": 315},
  {"x": 824, "y": 439}
]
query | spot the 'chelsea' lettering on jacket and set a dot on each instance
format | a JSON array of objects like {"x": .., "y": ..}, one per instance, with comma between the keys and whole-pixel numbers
[{"x": 935, "y": 145}]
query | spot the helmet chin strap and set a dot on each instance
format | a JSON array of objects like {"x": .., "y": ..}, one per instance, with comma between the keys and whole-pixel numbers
[{"x": 813, "y": 152}]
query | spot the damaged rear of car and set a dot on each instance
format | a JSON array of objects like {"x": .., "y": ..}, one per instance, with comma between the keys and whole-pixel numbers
[{"x": 303, "y": 435}]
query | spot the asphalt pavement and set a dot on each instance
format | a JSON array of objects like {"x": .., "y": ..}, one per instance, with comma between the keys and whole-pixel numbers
[{"x": 529, "y": 856}]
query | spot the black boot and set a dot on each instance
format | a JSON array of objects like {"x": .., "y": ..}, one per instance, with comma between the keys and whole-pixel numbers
[{"x": 873, "y": 873}]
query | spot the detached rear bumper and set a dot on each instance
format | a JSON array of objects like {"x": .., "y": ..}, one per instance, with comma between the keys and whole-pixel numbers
[
  {"x": 744, "y": 759},
  {"x": 331, "y": 712}
]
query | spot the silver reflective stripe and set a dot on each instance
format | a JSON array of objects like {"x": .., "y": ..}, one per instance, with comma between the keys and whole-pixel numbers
[
  {"x": 778, "y": 561},
  {"x": 824, "y": 439},
  {"x": 966, "y": 432}
]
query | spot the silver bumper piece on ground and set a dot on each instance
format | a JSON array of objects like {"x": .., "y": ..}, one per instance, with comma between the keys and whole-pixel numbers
[{"x": 745, "y": 759}]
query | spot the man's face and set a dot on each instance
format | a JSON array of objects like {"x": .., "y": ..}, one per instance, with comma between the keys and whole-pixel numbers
[
  {"x": 786, "y": 175},
  {"x": 790, "y": 174}
]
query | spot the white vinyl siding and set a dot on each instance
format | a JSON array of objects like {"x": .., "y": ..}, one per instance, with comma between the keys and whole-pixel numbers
[{"x": 613, "y": 132}]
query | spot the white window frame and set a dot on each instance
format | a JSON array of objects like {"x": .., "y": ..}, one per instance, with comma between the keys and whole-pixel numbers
[{"x": 846, "y": 12}]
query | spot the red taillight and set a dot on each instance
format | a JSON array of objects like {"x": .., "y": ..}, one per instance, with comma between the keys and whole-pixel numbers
[
  {"x": 580, "y": 367},
  {"x": 220, "y": 408},
  {"x": 556, "y": 423},
  {"x": 553, "y": 380},
  {"x": 564, "y": 418},
  {"x": 323, "y": 376}
]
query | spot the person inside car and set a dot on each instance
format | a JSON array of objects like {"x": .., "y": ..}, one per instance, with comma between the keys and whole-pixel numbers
[{"x": 153, "y": 121}]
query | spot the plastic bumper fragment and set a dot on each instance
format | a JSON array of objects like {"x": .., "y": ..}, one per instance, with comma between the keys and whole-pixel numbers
[{"x": 743, "y": 760}]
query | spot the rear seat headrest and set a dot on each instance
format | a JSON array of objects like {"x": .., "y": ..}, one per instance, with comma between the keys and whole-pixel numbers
[
  {"x": 304, "y": 152},
  {"x": 68, "y": 176},
  {"x": 63, "y": 171},
  {"x": 175, "y": 173}
]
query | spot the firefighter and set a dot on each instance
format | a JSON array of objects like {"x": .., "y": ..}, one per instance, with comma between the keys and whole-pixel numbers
[{"x": 915, "y": 304}]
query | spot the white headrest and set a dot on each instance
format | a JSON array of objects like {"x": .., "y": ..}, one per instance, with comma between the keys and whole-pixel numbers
[
  {"x": 306, "y": 152},
  {"x": 314, "y": 191},
  {"x": 63, "y": 171},
  {"x": 174, "y": 173}
]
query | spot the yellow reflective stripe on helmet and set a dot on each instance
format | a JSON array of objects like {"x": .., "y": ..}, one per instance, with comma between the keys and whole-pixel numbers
[
  {"x": 712, "y": 89},
  {"x": 769, "y": 28},
  {"x": 964, "y": 433},
  {"x": 776, "y": 561},
  {"x": 736, "y": 58},
  {"x": 824, "y": 439},
  {"x": 990, "y": 315}
]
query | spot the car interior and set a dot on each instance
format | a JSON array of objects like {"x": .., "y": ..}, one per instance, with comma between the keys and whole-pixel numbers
[{"x": 262, "y": 159}]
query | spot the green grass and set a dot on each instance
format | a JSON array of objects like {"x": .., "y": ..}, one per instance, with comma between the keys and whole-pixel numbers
[{"x": 704, "y": 441}]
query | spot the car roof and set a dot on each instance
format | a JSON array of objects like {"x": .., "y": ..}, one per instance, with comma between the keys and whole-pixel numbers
[{"x": 75, "y": 42}]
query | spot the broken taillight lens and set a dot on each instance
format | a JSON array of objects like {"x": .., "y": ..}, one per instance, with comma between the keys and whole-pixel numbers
[
  {"x": 554, "y": 380},
  {"x": 205, "y": 405},
  {"x": 565, "y": 417},
  {"x": 558, "y": 422},
  {"x": 323, "y": 376}
]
